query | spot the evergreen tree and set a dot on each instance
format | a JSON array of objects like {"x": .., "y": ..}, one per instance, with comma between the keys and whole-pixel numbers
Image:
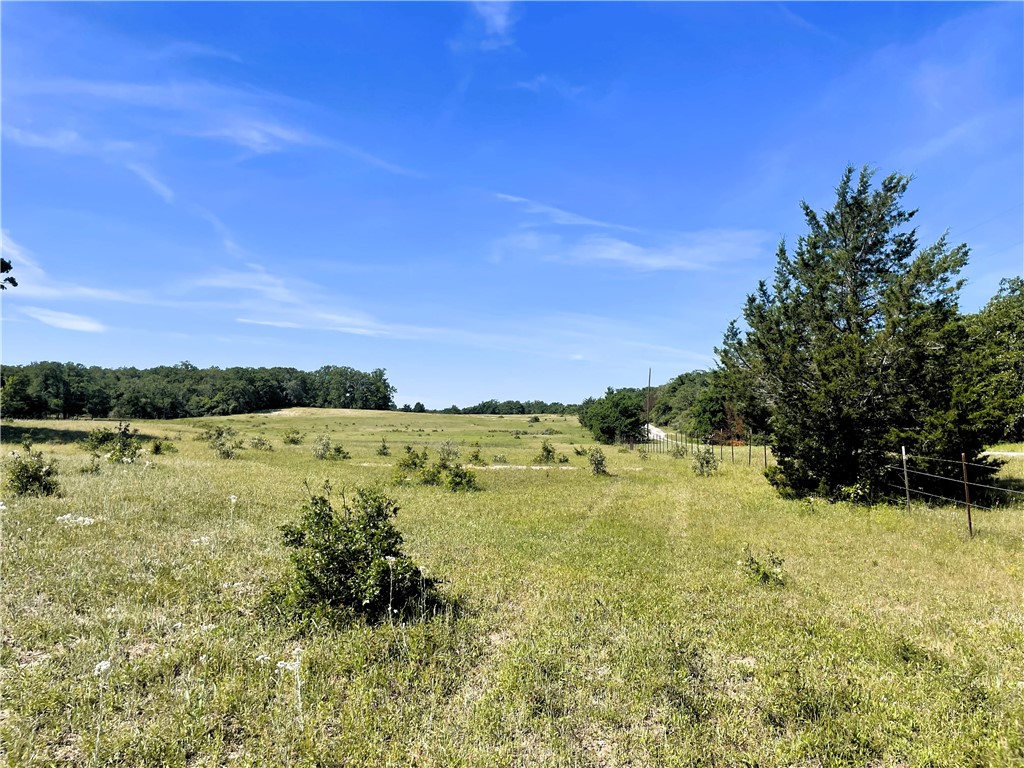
[{"x": 856, "y": 348}]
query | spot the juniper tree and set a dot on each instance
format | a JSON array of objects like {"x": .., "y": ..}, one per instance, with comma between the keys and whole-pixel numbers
[{"x": 855, "y": 348}]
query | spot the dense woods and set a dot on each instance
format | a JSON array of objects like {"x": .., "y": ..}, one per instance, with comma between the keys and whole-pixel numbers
[{"x": 70, "y": 390}]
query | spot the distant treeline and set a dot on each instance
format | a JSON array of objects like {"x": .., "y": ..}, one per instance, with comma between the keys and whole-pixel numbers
[
  {"x": 69, "y": 390},
  {"x": 513, "y": 407}
]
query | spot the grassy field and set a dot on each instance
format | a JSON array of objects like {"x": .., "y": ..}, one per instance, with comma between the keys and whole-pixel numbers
[{"x": 607, "y": 621}]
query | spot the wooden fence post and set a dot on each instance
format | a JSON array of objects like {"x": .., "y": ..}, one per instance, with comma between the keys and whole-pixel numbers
[{"x": 967, "y": 495}]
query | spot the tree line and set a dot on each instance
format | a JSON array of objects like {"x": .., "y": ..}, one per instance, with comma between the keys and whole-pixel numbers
[
  {"x": 70, "y": 390},
  {"x": 854, "y": 350}
]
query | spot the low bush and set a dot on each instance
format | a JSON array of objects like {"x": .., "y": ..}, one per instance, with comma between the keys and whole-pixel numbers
[
  {"x": 31, "y": 474},
  {"x": 324, "y": 450},
  {"x": 768, "y": 573},
  {"x": 349, "y": 562},
  {"x": 705, "y": 463},
  {"x": 293, "y": 437},
  {"x": 547, "y": 453},
  {"x": 383, "y": 449},
  {"x": 598, "y": 464},
  {"x": 117, "y": 445},
  {"x": 260, "y": 443}
]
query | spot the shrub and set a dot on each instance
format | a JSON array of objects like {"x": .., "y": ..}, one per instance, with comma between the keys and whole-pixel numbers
[
  {"x": 580, "y": 450},
  {"x": 224, "y": 441},
  {"x": 260, "y": 443},
  {"x": 768, "y": 573},
  {"x": 475, "y": 457},
  {"x": 705, "y": 463},
  {"x": 382, "y": 449},
  {"x": 293, "y": 437},
  {"x": 499, "y": 458},
  {"x": 597, "y": 461},
  {"x": 643, "y": 454},
  {"x": 32, "y": 475},
  {"x": 563, "y": 459},
  {"x": 459, "y": 478},
  {"x": 350, "y": 562},
  {"x": 533, "y": 420},
  {"x": 323, "y": 450},
  {"x": 118, "y": 445},
  {"x": 547, "y": 453},
  {"x": 160, "y": 447},
  {"x": 679, "y": 452},
  {"x": 447, "y": 453}
]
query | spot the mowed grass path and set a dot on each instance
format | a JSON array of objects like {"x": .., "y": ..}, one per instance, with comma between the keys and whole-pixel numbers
[{"x": 607, "y": 620}]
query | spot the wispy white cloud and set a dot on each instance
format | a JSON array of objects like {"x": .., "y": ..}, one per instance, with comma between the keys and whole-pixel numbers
[
  {"x": 554, "y": 84},
  {"x": 257, "y": 121},
  {"x": 498, "y": 22},
  {"x": 559, "y": 216},
  {"x": 64, "y": 320},
  {"x": 58, "y": 141},
  {"x": 686, "y": 251},
  {"x": 152, "y": 181},
  {"x": 34, "y": 282}
]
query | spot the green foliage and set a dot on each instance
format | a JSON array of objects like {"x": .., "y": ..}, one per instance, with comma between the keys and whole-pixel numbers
[
  {"x": 260, "y": 443},
  {"x": 500, "y": 458},
  {"x": 350, "y": 562},
  {"x": 68, "y": 390},
  {"x": 223, "y": 440},
  {"x": 705, "y": 463},
  {"x": 619, "y": 415},
  {"x": 119, "y": 445},
  {"x": 996, "y": 358},
  {"x": 475, "y": 457},
  {"x": 547, "y": 453},
  {"x": 161, "y": 447},
  {"x": 31, "y": 474},
  {"x": 445, "y": 471},
  {"x": 855, "y": 349},
  {"x": 769, "y": 573},
  {"x": 383, "y": 449},
  {"x": 324, "y": 450},
  {"x": 458, "y": 478},
  {"x": 598, "y": 465},
  {"x": 679, "y": 452},
  {"x": 563, "y": 459},
  {"x": 293, "y": 437}
]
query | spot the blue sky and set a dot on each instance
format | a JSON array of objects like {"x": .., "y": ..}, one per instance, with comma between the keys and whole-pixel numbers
[{"x": 525, "y": 201}]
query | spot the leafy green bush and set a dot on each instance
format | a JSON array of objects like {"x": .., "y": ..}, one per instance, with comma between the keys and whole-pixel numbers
[
  {"x": 705, "y": 463},
  {"x": 31, "y": 474},
  {"x": 458, "y": 478},
  {"x": 260, "y": 443},
  {"x": 117, "y": 445},
  {"x": 447, "y": 453},
  {"x": 161, "y": 447},
  {"x": 293, "y": 437},
  {"x": 563, "y": 459},
  {"x": 679, "y": 452},
  {"x": 547, "y": 453},
  {"x": 350, "y": 562},
  {"x": 323, "y": 450},
  {"x": 223, "y": 440},
  {"x": 769, "y": 572},
  {"x": 597, "y": 461},
  {"x": 499, "y": 458},
  {"x": 475, "y": 457},
  {"x": 383, "y": 449},
  {"x": 580, "y": 450}
]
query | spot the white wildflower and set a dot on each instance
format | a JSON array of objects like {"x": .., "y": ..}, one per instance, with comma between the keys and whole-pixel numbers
[
  {"x": 263, "y": 658},
  {"x": 102, "y": 669},
  {"x": 233, "y": 499},
  {"x": 291, "y": 666},
  {"x": 68, "y": 519}
]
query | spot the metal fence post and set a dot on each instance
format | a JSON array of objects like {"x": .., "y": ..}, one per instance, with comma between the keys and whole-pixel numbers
[
  {"x": 967, "y": 495},
  {"x": 906, "y": 477}
]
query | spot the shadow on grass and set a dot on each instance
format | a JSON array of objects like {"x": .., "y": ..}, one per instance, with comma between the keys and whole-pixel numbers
[{"x": 14, "y": 435}]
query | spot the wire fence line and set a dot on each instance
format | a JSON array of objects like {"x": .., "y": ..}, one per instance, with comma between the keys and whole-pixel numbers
[{"x": 752, "y": 452}]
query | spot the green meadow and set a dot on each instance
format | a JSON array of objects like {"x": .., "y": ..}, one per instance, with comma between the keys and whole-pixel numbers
[{"x": 591, "y": 621}]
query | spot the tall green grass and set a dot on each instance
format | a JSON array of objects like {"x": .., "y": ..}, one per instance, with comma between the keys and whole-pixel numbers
[{"x": 607, "y": 620}]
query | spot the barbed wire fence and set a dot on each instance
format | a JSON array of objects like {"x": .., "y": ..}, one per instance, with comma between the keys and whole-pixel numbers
[
  {"x": 905, "y": 483},
  {"x": 956, "y": 491}
]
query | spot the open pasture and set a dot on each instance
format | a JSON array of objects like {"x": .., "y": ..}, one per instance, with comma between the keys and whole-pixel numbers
[{"x": 605, "y": 621}]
